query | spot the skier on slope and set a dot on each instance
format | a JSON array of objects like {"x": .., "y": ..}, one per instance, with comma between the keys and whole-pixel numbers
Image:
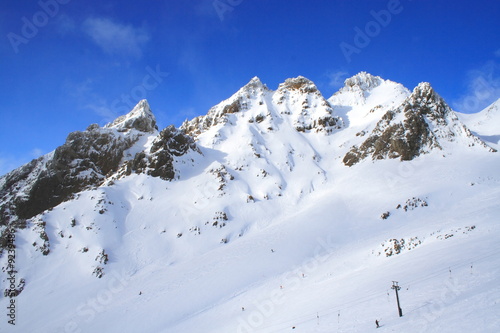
[{"x": 376, "y": 323}]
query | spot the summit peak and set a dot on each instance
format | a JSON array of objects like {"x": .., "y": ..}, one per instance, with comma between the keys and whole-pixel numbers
[
  {"x": 363, "y": 81},
  {"x": 424, "y": 88},
  {"x": 254, "y": 85},
  {"x": 140, "y": 118},
  {"x": 424, "y": 93},
  {"x": 300, "y": 83}
]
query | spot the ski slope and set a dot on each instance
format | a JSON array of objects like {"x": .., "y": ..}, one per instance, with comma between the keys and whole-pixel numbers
[{"x": 266, "y": 230}]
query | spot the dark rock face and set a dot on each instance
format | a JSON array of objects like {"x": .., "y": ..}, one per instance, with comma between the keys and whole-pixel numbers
[
  {"x": 299, "y": 83},
  {"x": 170, "y": 143},
  {"x": 414, "y": 128},
  {"x": 82, "y": 161},
  {"x": 405, "y": 140},
  {"x": 86, "y": 160}
]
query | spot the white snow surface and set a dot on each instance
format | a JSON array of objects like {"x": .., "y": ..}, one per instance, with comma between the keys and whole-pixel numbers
[
  {"x": 485, "y": 124},
  {"x": 268, "y": 231}
]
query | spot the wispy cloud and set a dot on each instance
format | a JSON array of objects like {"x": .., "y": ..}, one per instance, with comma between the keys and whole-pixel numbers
[
  {"x": 36, "y": 152},
  {"x": 336, "y": 79},
  {"x": 483, "y": 89},
  {"x": 86, "y": 98},
  {"x": 116, "y": 38},
  {"x": 497, "y": 53}
]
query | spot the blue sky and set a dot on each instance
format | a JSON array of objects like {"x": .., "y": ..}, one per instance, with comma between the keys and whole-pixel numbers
[{"x": 65, "y": 64}]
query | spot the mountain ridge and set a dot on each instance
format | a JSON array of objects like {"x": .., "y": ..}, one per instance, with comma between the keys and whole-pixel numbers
[
  {"x": 297, "y": 101},
  {"x": 253, "y": 207}
]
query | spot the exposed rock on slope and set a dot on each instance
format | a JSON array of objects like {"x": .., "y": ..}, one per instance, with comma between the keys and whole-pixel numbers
[
  {"x": 315, "y": 112},
  {"x": 219, "y": 113},
  {"x": 141, "y": 118},
  {"x": 297, "y": 98},
  {"x": 422, "y": 123},
  {"x": 171, "y": 142},
  {"x": 272, "y": 136},
  {"x": 86, "y": 160}
]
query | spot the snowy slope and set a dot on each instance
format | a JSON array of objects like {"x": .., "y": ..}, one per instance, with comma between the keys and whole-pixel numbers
[
  {"x": 365, "y": 98},
  {"x": 263, "y": 228},
  {"x": 485, "y": 124}
]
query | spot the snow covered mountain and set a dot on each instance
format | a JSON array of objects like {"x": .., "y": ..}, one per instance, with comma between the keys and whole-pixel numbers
[
  {"x": 277, "y": 210},
  {"x": 421, "y": 123},
  {"x": 485, "y": 124}
]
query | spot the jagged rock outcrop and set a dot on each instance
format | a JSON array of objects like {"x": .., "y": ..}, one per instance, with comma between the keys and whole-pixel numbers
[
  {"x": 82, "y": 161},
  {"x": 297, "y": 98},
  {"x": 356, "y": 89},
  {"x": 159, "y": 161},
  {"x": 362, "y": 82},
  {"x": 86, "y": 160},
  {"x": 396, "y": 125},
  {"x": 315, "y": 112},
  {"x": 218, "y": 114},
  {"x": 422, "y": 123},
  {"x": 141, "y": 118}
]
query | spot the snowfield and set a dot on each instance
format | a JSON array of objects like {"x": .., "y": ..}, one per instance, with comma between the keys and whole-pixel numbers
[{"x": 265, "y": 229}]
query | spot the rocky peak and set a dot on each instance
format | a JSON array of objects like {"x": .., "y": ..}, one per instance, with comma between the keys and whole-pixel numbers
[
  {"x": 426, "y": 101},
  {"x": 362, "y": 81},
  {"x": 159, "y": 161},
  {"x": 254, "y": 86},
  {"x": 87, "y": 160},
  {"x": 425, "y": 94},
  {"x": 423, "y": 122},
  {"x": 242, "y": 100},
  {"x": 300, "y": 84},
  {"x": 140, "y": 118}
]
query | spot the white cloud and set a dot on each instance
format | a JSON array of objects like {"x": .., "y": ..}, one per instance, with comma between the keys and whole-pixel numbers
[
  {"x": 483, "y": 89},
  {"x": 86, "y": 98},
  {"x": 36, "y": 152},
  {"x": 101, "y": 107},
  {"x": 116, "y": 38},
  {"x": 336, "y": 79},
  {"x": 497, "y": 53}
]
